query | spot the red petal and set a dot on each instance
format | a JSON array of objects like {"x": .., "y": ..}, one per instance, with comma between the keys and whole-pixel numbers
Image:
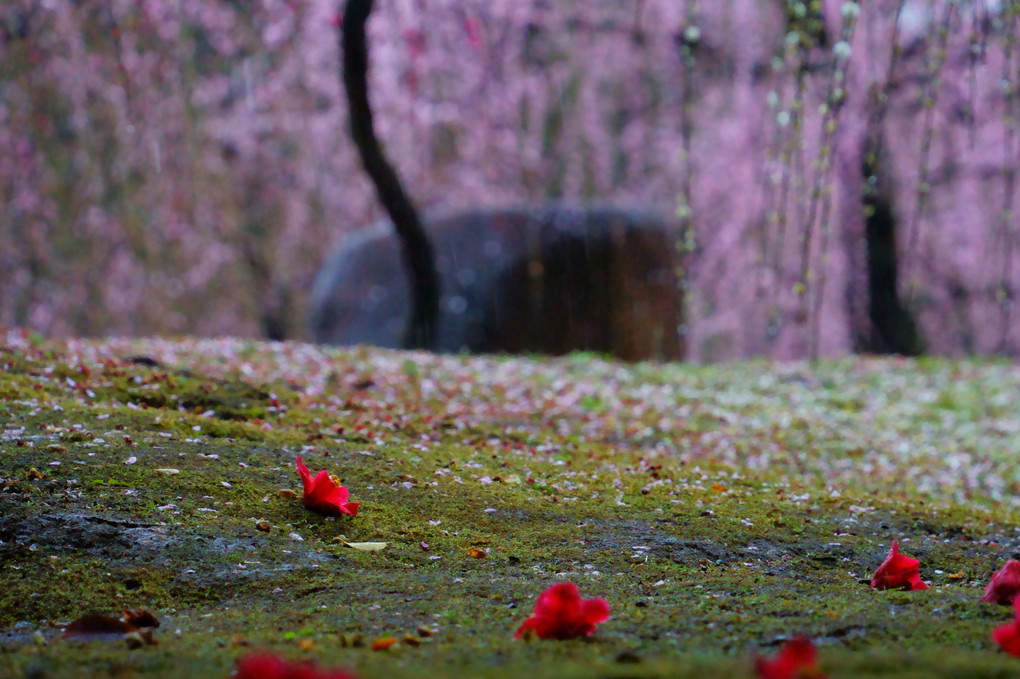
[
  {"x": 1004, "y": 585},
  {"x": 528, "y": 625},
  {"x": 262, "y": 666},
  {"x": 323, "y": 495},
  {"x": 269, "y": 666},
  {"x": 800, "y": 653},
  {"x": 797, "y": 658},
  {"x": 561, "y": 598},
  {"x": 560, "y": 613},
  {"x": 898, "y": 572},
  {"x": 306, "y": 476},
  {"x": 1008, "y": 638},
  {"x": 321, "y": 481},
  {"x": 594, "y": 611}
]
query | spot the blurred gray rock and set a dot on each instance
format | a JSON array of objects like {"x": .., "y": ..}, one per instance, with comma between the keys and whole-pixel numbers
[{"x": 546, "y": 280}]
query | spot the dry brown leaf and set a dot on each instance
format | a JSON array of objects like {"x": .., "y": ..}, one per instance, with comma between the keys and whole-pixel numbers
[
  {"x": 139, "y": 638},
  {"x": 95, "y": 627},
  {"x": 353, "y": 641},
  {"x": 139, "y": 617},
  {"x": 383, "y": 643},
  {"x": 135, "y": 627}
]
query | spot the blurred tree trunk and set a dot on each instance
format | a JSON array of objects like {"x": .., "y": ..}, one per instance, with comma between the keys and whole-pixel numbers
[
  {"x": 416, "y": 249},
  {"x": 893, "y": 329}
]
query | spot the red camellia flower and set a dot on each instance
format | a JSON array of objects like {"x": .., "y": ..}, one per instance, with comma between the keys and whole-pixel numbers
[
  {"x": 797, "y": 659},
  {"x": 1008, "y": 636},
  {"x": 324, "y": 493},
  {"x": 1004, "y": 585},
  {"x": 898, "y": 572},
  {"x": 561, "y": 613},
  {"x": 269, "y": 666}
]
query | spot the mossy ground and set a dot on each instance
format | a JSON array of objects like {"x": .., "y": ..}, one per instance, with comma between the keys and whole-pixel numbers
[{"x": 718, "y": 509}]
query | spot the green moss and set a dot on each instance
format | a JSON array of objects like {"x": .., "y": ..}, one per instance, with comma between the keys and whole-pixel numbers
[{"x": 718, "y": 509}]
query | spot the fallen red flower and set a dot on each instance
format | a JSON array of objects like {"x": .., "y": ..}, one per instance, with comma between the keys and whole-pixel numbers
[
  {"x": 1008, "y": 636},
  {"x": 898, "y": 572},
  {"x": 797, "y": 659},
  {"x": 561, "y": 613},
  {"x": 324, "y": 494},
  {"x": 1004, "y": 585},
  {"x": 269, "y": 666}
]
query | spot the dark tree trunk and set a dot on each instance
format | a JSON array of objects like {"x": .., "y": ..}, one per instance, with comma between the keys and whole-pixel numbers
[
  {"x": 416, "y": 249},
  {"x": 893, "y": 328}
]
